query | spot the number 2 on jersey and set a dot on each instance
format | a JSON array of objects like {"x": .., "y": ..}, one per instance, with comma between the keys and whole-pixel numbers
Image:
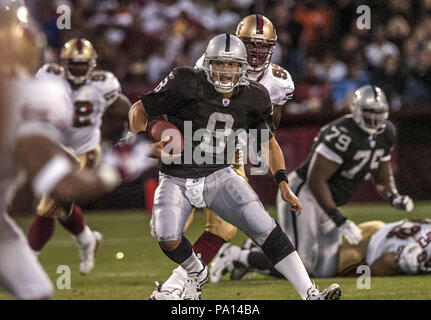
[{"x": 83, "y": 110}]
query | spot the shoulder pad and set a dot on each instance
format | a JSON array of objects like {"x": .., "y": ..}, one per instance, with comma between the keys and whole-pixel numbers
[
  {"x": 337, "y": 135},
  {"x": 184, "y": 72},
  {"x": 279, "y": 83},
  {"x": 107, "y": 82},
  {"x": 50, "y": 70}
]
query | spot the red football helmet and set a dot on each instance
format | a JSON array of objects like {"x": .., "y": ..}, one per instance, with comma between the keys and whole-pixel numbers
[{"x": 259, "y": 36}]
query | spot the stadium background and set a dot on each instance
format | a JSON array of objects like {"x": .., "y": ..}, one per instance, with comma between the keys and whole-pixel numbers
[{"x": 318, "y": 43}]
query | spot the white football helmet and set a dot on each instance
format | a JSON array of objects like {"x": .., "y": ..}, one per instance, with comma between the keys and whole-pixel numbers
[
  {"x": 226, "y": 47},
  {"x": 370, "y": 109}
]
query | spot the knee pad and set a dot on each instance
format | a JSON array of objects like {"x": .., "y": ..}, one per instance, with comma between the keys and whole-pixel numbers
[
  {"x": 170, "y": 212},
  {"x": 218, "y": 226},
  {"x": 277, "y": 245},
  {"x": 170, "y": 227}
]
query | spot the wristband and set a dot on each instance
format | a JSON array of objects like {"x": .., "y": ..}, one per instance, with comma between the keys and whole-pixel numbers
[
  {"x": 281, "y": 175},
  {"x": 337, "y": 216}
]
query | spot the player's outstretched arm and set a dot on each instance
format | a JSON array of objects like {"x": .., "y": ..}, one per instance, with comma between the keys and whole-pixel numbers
[
  {"x": 52, "y": 171},
  {"x": 278, "y": 169},
  {"x": 385, "y": 184},
  {"x": 320, "y": 171}
]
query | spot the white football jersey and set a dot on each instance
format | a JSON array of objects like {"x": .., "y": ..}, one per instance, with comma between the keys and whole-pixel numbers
[
  {"x": 393, "y": 237},
  {"x": 275, "y": 79},
  {"x": 90, "y": 101},
  {"x": 37, "y": 107}
]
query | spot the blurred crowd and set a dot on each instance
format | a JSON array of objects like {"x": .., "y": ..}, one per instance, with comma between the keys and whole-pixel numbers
[{"x": 320, "y": 42}]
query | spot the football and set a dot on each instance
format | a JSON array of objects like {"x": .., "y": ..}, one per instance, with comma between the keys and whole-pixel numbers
[{"x": 159, "y": 129}]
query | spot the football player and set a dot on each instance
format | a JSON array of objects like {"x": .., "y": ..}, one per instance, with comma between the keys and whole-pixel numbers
[
  {"x": 92, "y": 93},
  {"x": 214, "y": 102},
  {"x": 36, "y": 113},
  {"x": 396, "y": 248},
  {"x": 346, "y": 152},
  {"x": 259, "y": 36}
]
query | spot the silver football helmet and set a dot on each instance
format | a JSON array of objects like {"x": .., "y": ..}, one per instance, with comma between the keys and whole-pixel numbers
[
  {"x": 370, "y": 109},
  {"x": 226, "y": 47}
]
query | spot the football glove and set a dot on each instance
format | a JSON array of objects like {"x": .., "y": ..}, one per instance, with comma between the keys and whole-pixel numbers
[
  {"x": 400, "y": 202},
  {"x": 351, "y": 232},
  {"x": 124, "y": 162}
]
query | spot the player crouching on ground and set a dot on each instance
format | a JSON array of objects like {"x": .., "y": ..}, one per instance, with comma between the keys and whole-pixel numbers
[{"x": 219, "y": 97}]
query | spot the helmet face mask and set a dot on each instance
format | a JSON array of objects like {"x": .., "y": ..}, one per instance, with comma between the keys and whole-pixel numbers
[
  {"x": 225, "y": 62},
  {"x": 370, "y": 109},
  {"x": 259, "y": 52},
  {"x": 259, "y": 36},
  {"x": 78, "y": 57}
]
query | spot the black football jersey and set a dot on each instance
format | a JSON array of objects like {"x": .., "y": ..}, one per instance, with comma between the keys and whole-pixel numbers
[
  {"x": 357, "y": 153},
  {"x": 209, "y": 123}
]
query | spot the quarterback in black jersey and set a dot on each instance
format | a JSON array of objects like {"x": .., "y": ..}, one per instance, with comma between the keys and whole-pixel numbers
[
  {"x": 214, "y": 104},
  {"x": 345, "y": 153}
]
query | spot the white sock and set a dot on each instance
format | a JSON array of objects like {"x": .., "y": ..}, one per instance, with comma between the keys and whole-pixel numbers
[
  {"x": 192, "y": 264},
  {"x": 176, "y": 280},
  {"x": 243, "y": 257},
  {"x": 84, "y": 237},
  {"x": 292, "y": 268}
]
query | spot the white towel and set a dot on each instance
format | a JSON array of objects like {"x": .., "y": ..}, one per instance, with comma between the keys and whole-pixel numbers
[{"x": 194, "y": 192}]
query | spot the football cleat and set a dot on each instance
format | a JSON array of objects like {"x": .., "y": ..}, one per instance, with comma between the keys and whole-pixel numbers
[
  {"x": 163, "y": 294},
  {"x": 333, "y": 292},
  {"x": 87, "y": 253},
  {"x": 194, "y": 284},
  {"x": 223, "y": 261}
]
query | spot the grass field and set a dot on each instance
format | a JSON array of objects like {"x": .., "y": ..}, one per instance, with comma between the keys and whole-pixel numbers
[{"x": 133, "y": 276}]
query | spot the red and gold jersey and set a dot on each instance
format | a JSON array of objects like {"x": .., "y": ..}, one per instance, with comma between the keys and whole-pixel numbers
[
  {"x": 90, "y": 101},
  {"x": 396, "y": 236}
]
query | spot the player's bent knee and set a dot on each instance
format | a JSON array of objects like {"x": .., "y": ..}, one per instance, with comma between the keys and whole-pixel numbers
[
  {"x": 167, "y": 228},
  {"x": 256, "y": 222},
  {"x": 277, "y": 246}
]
